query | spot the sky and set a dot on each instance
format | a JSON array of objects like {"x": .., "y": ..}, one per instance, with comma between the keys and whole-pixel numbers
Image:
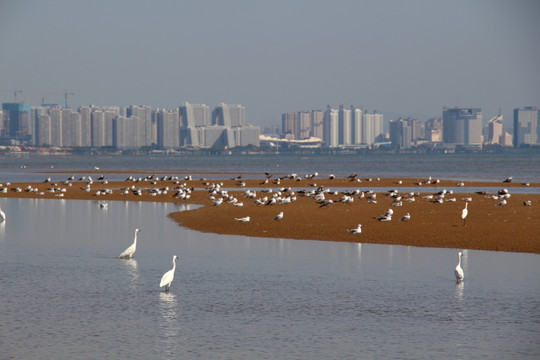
[{"x": 400, "y": 58}]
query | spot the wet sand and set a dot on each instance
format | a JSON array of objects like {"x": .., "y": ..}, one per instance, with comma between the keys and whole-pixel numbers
[{"x": 512, "y": 227}]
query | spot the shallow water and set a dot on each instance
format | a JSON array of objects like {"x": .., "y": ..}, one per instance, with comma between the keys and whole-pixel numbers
[
  {"x": 523, "y": 167},
  {"x": 65, "y": 295}
]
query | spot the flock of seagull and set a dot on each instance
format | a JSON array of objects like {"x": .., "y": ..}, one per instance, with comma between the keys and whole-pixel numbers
[{"x": 284, "y": 195}]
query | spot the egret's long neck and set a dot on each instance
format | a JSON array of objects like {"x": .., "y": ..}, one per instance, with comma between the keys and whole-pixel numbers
[
  {"x": 135, "y": 240},
  {"x": 459, "y": 259},
  {"x": 174, "y": 264}
]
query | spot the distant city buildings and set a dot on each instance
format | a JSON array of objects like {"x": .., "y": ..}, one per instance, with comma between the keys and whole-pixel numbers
[
  {"x": 134, "y": 127},
  {"x": 526, "y": 129},
  {"x": 197, "y": 126}
]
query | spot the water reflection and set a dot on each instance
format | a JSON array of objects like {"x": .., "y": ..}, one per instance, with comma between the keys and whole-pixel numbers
[
  {"x": 359, "y": 252},
  {"x": 459, "y": 290},
  {"x": 169, "y": 326},
  {"x": 2, "y": 229},
  {"x": 132, "y": 269}
]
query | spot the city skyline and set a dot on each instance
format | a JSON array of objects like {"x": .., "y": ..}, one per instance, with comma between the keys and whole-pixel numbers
[{"x": 403, "y": 59}]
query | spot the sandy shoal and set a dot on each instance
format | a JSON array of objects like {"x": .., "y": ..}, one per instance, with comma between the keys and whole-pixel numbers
[{"x": 513, "y": 227}]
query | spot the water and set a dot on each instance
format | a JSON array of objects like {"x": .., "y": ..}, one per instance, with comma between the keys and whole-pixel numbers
[
  {"x": 65, "y": 295},
  {"x": 491, "y": 167}
]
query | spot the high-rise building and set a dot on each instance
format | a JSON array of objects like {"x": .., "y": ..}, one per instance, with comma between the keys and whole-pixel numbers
[
  {"x": 526, "y": 129},
  {"x": 495, "y": 130},
  {"x": 194, "y": 115},
  {"x": 344, "y": 126},
  {"x": 356, "y": 125},
  {"x": 56, "y": 127},
  {"x": 146, "y": 130},
  {"x": 98, "y": 128},
  {"x": 317, "y": 117},
  {"x": 400, "y": 133},
  {"x": 372, "y": 127},
  {"x": 433, "y": 129},
  {"x": 304, "y": 125},
  {"x": 86, "y": 126},
  {"x": 229, "y": 115},
  {"x": 288, "y": 124},
  {"x": 43, "y": 130},
  {"x": 168, "y": 126},
  {"x": 331, "y": 127},
  {"x": 462, "y": 127},
  {"x": 16, "y": 121}
]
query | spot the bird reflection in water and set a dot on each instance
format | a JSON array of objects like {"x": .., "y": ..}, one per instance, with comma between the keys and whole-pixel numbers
[{"x": 170, "y": 327}]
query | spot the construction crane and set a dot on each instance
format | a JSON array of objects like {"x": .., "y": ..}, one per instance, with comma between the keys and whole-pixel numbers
[
  {"x": 14, "y": 93},
  {"x": 66, "y": 93}
]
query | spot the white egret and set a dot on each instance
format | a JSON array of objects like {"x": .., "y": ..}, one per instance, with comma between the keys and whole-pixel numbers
[
  {"x": 458, "y": 271},
  {"x": 168, "y": 277},
  {"x": 464, "y": 213},
  {"x": 128, "y": 253},
  {"x": 2, "y": 215}
]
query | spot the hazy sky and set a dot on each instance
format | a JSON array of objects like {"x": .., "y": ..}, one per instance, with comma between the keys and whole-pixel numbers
[{"x": 402, "y": 58}]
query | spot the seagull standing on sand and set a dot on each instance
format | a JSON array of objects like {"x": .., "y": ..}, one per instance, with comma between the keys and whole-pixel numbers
[
  {"x": 357, "y": 230},
  {"x": 243, "y": 219},
  {"x": 406, "y": 217},
  {"x": 464, "y": 213},
  {"x": 128, "y": 253},
  {"x": 458, "y": 271},
  {"x": 279, "y": 216}
]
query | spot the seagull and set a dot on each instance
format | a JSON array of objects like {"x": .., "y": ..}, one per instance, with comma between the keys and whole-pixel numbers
[
  {"x": 326, "y": 203},
  {"x": 406, "y": 217},
  {"x": 385, "y": 217},
  {"x": 458, "y": 271},
  {"x": 357, "y": 230},
  {"x": 508, "y": 180},
  {"x": 128, "y": 253},
  {"x": 168, "y": 277},
  {"x": 502, "y": 203},
  {"x": 279, "y": 216},
  {"x": 2, "y": 215},
  {"x": 527, "y": 203},
  {"x": 243, "y": 219},
  {"x": 464, "y": 213}
]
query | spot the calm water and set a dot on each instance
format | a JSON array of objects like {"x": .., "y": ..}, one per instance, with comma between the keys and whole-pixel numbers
[
  {"x": 493, "y": 167},
  {"x": 65, "y": 295}
]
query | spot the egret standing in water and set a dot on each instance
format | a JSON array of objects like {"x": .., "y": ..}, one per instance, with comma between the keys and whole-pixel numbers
[
  {"x": 464, "y": 213},
  {"x": 458, "y": 271},
  {"x": 128, "y": 253},
  {"x": 168, "y": 277}
]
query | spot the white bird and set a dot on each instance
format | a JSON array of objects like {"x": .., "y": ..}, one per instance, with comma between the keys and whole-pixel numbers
[
  {"x": 128, "y": 253},
  {"x": 464, "y": 213},
  {"x": 168, "y": 277},
  {"x": 357, "y": 230},
  {"x": 279, "y": 216},
  {"x": 458, "y": 271},
  {"x": 2, "y": 215},
  {"x": 502, "y": 203},
  {"x": 243, "y": 219},
  {"x": 406, "y": 217}
]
